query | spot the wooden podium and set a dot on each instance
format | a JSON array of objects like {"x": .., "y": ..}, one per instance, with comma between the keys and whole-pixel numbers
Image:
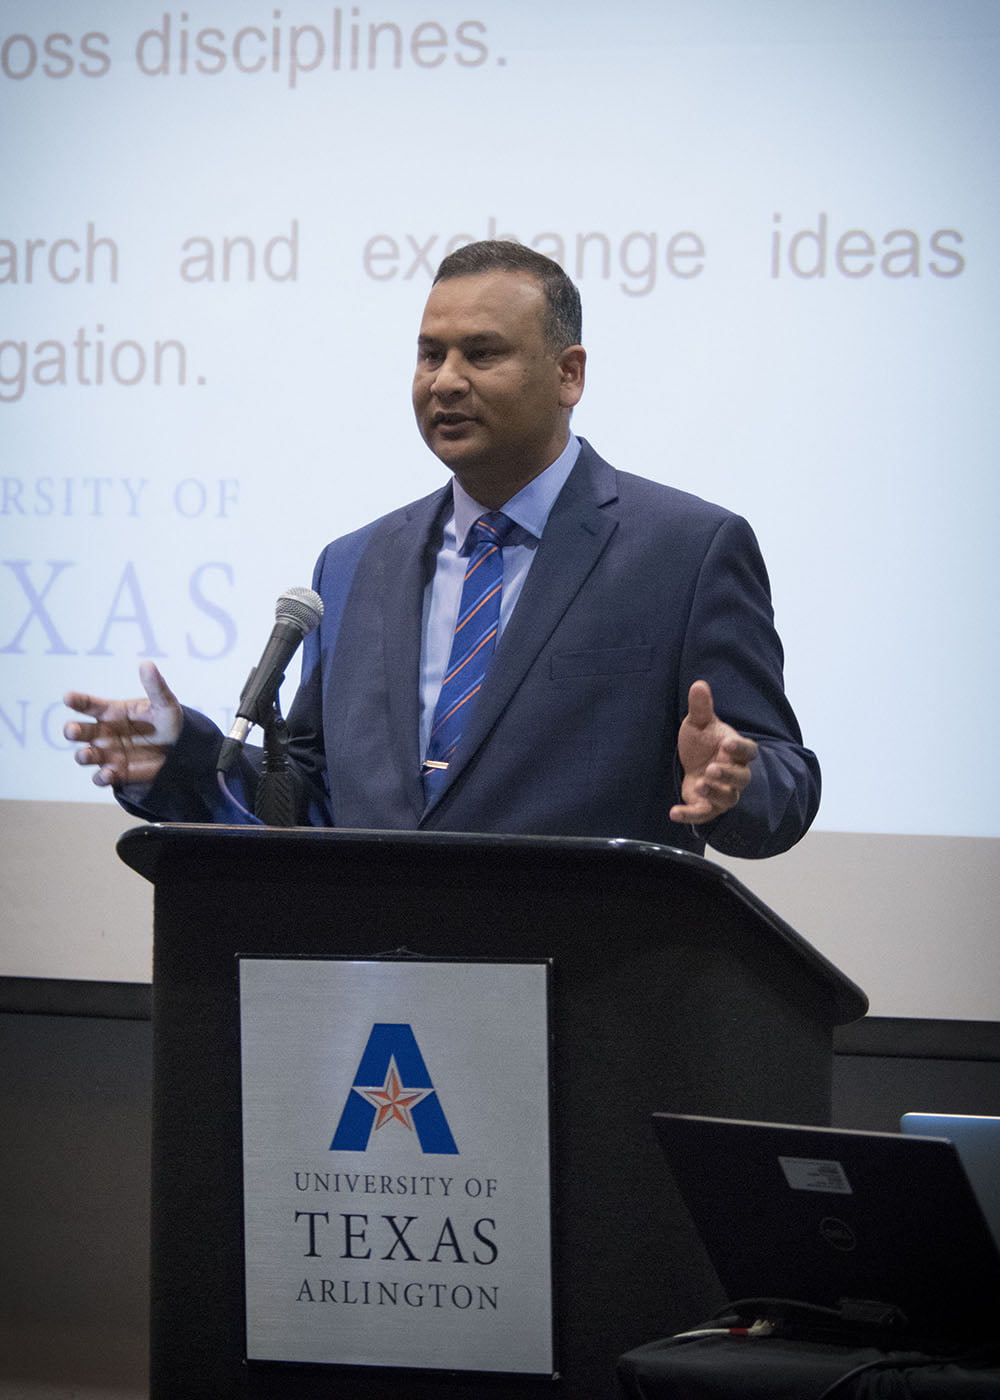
[{"x": 673, "y": 989}]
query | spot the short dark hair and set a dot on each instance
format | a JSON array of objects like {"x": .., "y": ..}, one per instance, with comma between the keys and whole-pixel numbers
[{"x": 563, "y": 312}]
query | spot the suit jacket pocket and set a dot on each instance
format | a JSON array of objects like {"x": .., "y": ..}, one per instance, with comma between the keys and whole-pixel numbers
[{"x": 608, "y": 661}]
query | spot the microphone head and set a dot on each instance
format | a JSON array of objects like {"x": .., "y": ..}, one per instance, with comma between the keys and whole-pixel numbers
[{"x": 299, "y": 607}]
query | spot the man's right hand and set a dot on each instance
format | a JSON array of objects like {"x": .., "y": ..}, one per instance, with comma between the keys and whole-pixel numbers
[{"x": 128, "y": 740}]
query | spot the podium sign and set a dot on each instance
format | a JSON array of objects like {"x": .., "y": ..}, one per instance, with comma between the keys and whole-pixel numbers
[{"x": 396, "y": 1163}]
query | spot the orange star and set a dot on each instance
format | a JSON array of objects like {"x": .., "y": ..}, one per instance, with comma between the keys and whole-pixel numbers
[{"x": 392, "y": 1100}]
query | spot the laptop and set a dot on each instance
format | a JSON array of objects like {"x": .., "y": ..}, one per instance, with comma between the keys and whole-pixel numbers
[
  {"x": 977, "y": 1139},
  {"x": 848, "y": 1235}
]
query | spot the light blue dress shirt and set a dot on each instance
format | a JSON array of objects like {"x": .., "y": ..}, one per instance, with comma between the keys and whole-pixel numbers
[{"x": 530, "y": 510}]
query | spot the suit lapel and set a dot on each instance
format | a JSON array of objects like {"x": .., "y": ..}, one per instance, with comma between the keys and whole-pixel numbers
[
  {"x": 407, "y": 559},
  {"x": 582, "y": 522}
]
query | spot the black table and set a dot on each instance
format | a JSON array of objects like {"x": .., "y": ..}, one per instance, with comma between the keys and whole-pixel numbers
[{"x": 772, "y": 1368}]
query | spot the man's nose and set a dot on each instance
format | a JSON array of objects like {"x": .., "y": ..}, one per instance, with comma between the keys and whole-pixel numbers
[{"x": 450, "y": 378}]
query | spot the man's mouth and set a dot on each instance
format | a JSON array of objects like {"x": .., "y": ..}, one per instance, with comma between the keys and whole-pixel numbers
[{"x": 450, "y": 420}]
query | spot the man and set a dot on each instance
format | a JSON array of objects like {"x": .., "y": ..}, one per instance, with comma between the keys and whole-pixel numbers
[{"x": 630, "y": 613}]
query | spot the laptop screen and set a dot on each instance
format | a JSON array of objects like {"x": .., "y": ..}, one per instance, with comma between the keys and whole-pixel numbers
[
  {"x": 824, "y": 1215},
  {"x": 977, "y": 1141}
]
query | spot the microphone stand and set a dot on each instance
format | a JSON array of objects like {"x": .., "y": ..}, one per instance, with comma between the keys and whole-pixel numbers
[{"x": 275, "y": 800}]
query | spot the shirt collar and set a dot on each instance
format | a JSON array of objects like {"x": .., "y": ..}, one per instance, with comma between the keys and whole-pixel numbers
[{"x": 532, "y": 505}]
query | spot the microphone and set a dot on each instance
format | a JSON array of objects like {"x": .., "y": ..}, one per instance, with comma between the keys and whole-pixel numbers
[{"x": 296, "y": 613}]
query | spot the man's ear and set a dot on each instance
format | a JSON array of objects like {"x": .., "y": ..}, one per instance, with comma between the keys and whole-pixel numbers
[{"x": 573, "y": 373}]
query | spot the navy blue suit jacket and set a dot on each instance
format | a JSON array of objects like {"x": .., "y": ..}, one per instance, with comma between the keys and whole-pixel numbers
[{"x": 636, "y": 590}]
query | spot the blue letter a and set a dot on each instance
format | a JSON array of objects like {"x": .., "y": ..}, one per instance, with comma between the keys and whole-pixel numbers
[{"x": 390, "y": 1045}]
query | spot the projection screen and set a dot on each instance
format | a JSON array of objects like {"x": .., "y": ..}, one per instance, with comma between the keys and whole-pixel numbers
[{"x": 219, "y": 225}]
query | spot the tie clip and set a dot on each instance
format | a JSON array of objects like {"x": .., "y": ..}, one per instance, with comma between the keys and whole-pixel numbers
[{"x": 432, "y": 763}]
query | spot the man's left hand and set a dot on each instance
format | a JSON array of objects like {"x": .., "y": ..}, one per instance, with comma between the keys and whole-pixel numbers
[{"x": 715, "y": 758}]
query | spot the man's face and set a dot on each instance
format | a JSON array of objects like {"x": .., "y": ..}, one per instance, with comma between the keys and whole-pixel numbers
[{"x": 492, "y": 399}]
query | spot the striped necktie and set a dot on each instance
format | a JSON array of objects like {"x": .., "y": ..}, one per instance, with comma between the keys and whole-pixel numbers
[{"x": 472, "y": 648}]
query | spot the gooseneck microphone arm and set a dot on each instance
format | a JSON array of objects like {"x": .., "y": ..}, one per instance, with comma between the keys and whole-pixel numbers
[{"x": 296, "y": 612}]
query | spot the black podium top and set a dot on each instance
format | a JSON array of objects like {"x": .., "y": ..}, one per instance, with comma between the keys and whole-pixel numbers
[{"x": 616, "y": 865}]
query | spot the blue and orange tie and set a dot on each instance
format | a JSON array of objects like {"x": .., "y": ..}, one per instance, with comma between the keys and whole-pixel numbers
[{"x": 472, "y": 649}]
